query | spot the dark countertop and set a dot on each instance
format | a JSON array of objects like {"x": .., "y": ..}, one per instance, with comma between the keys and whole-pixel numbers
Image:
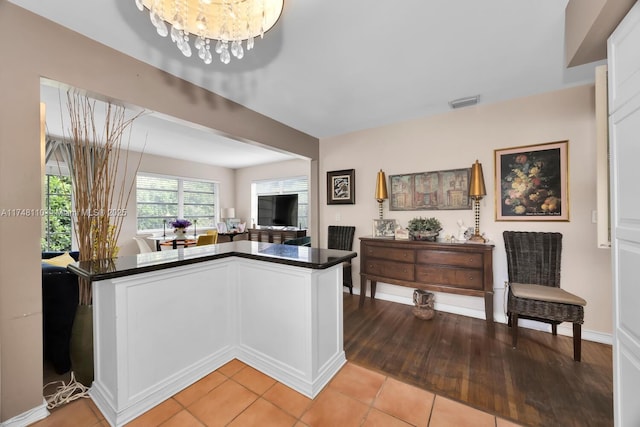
[{"x": 297, "y": 256}]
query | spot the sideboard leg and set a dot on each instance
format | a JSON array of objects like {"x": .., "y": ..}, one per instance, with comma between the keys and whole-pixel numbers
[
  {"x": 363, "y": 291},
  {"x": 373, "y": 289},
  {"x": 488, "y": 310}
]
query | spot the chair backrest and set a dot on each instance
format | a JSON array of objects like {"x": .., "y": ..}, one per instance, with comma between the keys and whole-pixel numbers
[
  {"x": 341, "y": 237},
  {"x": 142, "y": 245},
  {"x": 533, "y": 257},
  {"x": 206, "y": 239},
  {"x": 213, "y": 233}
]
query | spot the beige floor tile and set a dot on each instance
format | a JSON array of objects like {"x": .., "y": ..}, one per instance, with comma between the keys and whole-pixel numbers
[
  {"x": 157, "y": 415},
  {"x": 447, "y": 412},
  {"x": 75, "y": 414},
  {"x": 254, "y": 380},
  {"x": 404, "y": 401},
  {"x": 500, "y": 422},
  {"x": 264, "y": 414},
  {"x": 358, "y": 382},
  {"x": 231, "y": 368},
  {"x": 377, "y": 418},
  {"x": 183, "y": 418},
  {"x": 287, "y": 399},
  {"x": 198, "y": 389},
  {"x": 332, "y": 408},
  {"x": 222, "y": 404}
]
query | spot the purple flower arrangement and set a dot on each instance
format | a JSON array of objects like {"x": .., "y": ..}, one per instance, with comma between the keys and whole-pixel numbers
[{"x": 180, "y": 223}]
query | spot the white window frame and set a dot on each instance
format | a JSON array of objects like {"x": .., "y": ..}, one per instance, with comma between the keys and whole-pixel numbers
[{"x": 180, "y": 179}]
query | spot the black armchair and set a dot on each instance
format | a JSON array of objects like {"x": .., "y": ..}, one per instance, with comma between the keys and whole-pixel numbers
[
  {"x": 341, "y": 237},
  {"x": 59, "y": 304}
]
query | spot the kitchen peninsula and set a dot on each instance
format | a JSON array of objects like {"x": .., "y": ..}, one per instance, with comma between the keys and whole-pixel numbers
[{"x": 163, "y": 320}]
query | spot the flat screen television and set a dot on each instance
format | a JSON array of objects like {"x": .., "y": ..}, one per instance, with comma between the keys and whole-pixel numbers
[{"x": 278, "y": 210}]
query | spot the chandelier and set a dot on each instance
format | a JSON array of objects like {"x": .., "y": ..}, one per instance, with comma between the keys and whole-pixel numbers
[{"x": 228, "y": 22}]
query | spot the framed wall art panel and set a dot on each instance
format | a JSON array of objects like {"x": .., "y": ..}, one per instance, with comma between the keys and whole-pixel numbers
[{"x": 440, "y": 190}]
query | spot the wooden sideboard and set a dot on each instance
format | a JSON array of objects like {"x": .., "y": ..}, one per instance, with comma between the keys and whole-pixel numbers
[
  {"x": 273, "y": 235},
  {"x": 457, "y": 268}
]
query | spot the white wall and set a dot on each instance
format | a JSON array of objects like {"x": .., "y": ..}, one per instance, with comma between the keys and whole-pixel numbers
[{"x": 455, "y": 140}]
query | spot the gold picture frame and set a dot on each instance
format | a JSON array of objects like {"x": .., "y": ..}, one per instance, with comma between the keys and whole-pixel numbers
[{"x": 532, "y": 182}]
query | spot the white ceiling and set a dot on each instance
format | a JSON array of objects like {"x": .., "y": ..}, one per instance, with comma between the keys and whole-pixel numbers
[{"x": 330, "y": 67}]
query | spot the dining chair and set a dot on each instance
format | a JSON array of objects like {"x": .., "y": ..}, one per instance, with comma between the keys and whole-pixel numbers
[
  {"x": 533, "y": 267},
  {"x": 213, "y": 233},
  {"x": 143, "y": 248},
  {"x": 341, "y": 237},
  {"x": 206, "y": 239}
]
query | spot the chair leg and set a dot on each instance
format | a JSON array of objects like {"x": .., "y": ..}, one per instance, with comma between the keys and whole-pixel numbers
[
  {"x": 514, "y": 329},
  {"x": 577, "y": 342}
]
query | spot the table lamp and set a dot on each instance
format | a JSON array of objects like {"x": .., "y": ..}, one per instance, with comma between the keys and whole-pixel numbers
[
  {"x": 381, "y": 190},
  {"x": 477, "y": 191},
  {"x": 227, "y": 214}
]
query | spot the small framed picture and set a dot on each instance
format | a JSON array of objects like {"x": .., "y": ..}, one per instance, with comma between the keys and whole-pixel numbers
[
  {"x": 401, "y": 233},
  {"x": 233, "y": 223},
  {"x": 384, "y": 228},
  {"x": 341, "y": 187},
  {"x": 222, "y": 227}
]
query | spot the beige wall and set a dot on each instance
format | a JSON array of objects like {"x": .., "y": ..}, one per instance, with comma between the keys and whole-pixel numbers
[
  {"x": 50, "y": 51},
  {"x": 455, "y": 140}
]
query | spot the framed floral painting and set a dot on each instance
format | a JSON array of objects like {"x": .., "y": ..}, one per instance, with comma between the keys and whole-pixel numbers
[{"x": 532, "y": 182}]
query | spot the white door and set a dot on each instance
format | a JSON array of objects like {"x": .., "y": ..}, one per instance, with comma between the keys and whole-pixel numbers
[{"x": 624, "y": 133}]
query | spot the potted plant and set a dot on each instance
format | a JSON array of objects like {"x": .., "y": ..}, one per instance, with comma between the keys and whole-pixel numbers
[
  {"x": 424, "y": 228},
  {"x": 100, "y": 193}
]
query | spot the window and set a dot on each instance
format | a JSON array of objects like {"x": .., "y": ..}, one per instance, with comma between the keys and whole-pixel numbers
[
  {"x": 296, "y": 185},
  {"x": 164, "y": 198},
  {"x": 57, "y": 214}
]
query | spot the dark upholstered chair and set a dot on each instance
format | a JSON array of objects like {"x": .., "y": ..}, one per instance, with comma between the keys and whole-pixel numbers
[
  {"x": 59, "y": 304},
  {"x": 341, "y": 237},
  {"x": 533, "y": 262}
]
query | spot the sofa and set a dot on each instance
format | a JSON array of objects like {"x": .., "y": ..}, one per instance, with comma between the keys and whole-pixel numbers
[{"x": 59, "y": 304}]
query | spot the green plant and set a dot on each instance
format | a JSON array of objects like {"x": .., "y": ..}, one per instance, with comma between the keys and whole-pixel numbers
[{"x": 424, "y": 224}]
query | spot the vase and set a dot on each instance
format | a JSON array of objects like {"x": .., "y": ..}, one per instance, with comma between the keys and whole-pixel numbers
[
  {"x": 81, "y": 345},
  {"x": 181, "y": 233}
]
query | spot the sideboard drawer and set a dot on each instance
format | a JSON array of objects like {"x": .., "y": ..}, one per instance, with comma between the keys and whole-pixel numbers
[
  {"x": 457, "y": 259},
  {"x": 457, "y": 277},
  {"x": 392, "y": 254},
  {"x": 390, "y": 269}
]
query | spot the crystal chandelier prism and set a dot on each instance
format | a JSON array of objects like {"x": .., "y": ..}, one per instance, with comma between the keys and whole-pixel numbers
[{"x": 227, "y": 22}]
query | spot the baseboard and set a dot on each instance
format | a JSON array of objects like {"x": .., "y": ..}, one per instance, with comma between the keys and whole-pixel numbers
[
  {"x": 563, "y": 329},
  {"x": 27, "y": 418}
]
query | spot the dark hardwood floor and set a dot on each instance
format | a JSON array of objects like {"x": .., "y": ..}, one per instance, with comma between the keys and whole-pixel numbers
[{"x": 537, "y": 384}]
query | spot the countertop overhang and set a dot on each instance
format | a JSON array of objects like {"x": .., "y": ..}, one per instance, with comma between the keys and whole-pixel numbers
[{"x": 297, "y": 256}]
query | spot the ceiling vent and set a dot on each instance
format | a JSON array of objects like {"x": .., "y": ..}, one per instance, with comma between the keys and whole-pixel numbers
[{"x": 464, "y": 102}]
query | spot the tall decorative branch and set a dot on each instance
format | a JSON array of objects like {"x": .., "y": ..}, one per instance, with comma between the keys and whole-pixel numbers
[{"x": 99, "y": 196}]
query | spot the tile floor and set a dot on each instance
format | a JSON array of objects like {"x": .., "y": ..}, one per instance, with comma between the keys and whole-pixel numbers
[{"x": 238, "y": 395}]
